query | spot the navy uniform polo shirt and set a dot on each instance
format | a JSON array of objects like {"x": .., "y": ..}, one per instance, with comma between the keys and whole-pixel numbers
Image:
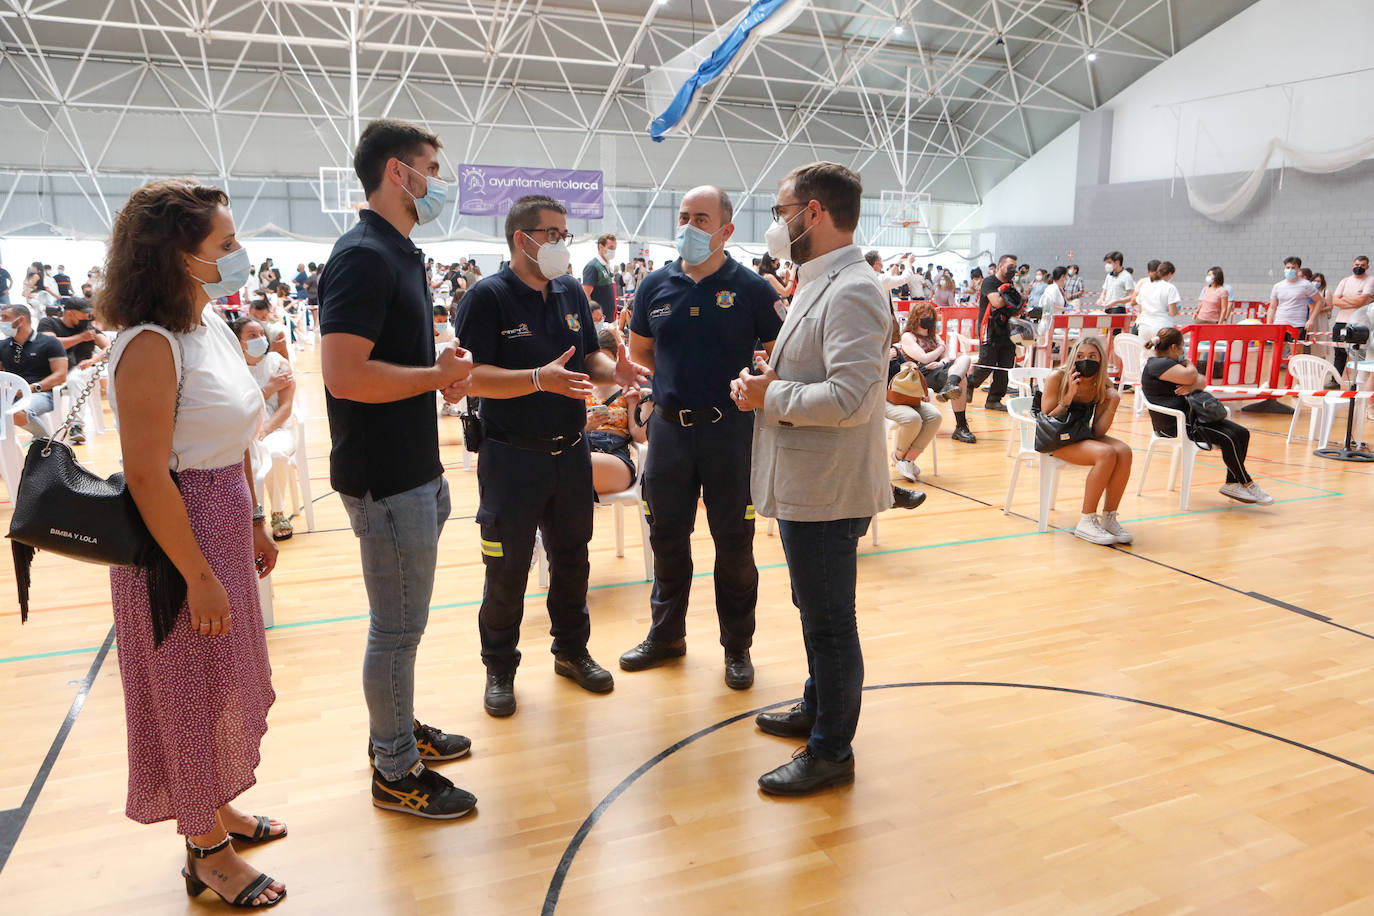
[
  {"x": 374, "y": 285},
  {"x": 503, "y": 322},
  {"x": 32, "y": 360},
  {"x": 704, "y": 333}
]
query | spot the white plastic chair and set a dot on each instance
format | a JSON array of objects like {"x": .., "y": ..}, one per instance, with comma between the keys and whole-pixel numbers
[
  {"x": 300, "y": 484},
  {"x": 1130, "y": 349},
  {"x": 12, "y": 387},
  {"x": 1020, "y": 378},
  {"x": 1312, "y": 373},
  {"x": 1184, "y": 450},
  {"x": 633, "y": 497},
  {"x": 1019, "y": 410}
]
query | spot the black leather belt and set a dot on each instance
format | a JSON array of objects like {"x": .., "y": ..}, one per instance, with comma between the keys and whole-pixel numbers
[
  {"x": 690, "y": 416},
  {"x": 553, "y": 445}
]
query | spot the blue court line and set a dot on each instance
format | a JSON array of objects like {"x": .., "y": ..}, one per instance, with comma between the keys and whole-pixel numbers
[{"x": 593, "y": 588}]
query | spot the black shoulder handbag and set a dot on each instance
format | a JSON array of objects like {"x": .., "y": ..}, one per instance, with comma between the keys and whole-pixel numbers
[
  {"x": 64, "y": 508},
  {"x": 1203, "y": 407},
  {"x": 1056, "y": 432}
]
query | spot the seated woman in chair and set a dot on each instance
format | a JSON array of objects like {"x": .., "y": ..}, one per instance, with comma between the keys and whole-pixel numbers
[
  {"x": 611, "y": 427},
  {"x": 1083, "y": 401},
  {"x": 1165, "y": 379},
  {"x": 947, "y": 378},
  {"x": 276, "y": 438}
]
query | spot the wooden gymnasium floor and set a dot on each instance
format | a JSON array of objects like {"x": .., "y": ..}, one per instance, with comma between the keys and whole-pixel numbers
[{"x": 1182, "y": 726}]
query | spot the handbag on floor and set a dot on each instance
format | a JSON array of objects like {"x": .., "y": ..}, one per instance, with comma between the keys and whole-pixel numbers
[{"x": 66, "y": 509}]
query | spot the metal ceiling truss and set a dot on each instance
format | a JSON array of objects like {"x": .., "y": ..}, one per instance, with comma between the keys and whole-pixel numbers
[{"x": 936, "y": 96}]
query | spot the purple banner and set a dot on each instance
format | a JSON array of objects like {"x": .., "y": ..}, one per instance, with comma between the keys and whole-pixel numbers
[{"x": 489, "y": 190}]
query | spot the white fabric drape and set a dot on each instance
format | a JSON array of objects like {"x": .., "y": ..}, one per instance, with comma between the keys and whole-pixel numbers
[{"x": 1316, "y": 162}]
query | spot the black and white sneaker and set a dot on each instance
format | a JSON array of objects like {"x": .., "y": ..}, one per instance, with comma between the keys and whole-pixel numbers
[
  {"x": 423, "y": 793},
  {"x": 433, "y": 744}
]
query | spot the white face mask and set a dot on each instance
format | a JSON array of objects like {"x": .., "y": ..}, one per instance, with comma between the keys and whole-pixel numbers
[
  {"x": 256, "y": 348},
  {"x": 553, "y": 260},
  {"x": 1107, "y": 267},
  {"x": 1209, "y": 279},
  {"x": 443, "y": 328},
  {"x": 778, "y": 238}
]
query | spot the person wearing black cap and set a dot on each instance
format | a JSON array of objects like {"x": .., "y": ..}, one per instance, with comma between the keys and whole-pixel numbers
[
  {"x": 80, "y": 338},
  {"x": 998, "y": 304}
]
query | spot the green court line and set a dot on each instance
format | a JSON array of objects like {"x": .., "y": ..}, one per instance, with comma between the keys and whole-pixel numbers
[{"x": 700, "y": 575}]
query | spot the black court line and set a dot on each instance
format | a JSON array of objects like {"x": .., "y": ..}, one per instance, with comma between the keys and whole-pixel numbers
[
  {"x": 574, "y": 846},
  {"x": 12, "y": 821}
]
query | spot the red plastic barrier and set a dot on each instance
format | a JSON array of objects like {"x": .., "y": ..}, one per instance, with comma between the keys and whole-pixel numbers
[
  {"x": 958, "y": 319},
  {"x": 903, "y": 306},
  {"x": 1254, "y": 353},
  {"x": 1243, "y": 309},
  {"x": 1100, "y": 322}
]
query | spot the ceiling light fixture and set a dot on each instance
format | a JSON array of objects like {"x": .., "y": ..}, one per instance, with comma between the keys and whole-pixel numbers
[
  {"x": 1092, "y": 56},
  {"x": 896, "y": 30}
]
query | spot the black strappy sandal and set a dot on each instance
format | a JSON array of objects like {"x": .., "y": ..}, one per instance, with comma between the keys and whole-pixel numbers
[
  {"x": 195, "y": 886},
  {"x": 262, "y": 832}
]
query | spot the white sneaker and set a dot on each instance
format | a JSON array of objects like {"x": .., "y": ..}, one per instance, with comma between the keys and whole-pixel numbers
[
  {"x": 908, "y": 469},
  {"x": 450, "y": 410},
  {"x": 1239, "y": 492},
  {"x": 1261, "y": 498},
  {"x": 1113, "y": 527},
  {"x": 1091, "y": 530}
]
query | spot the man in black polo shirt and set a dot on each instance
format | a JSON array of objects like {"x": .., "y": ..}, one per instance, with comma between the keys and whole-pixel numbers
[
  {"x": 74, "y": 332},
  {"x": 380, "y": 375},
  {"x": 996, "y": 348},
  {"x": 535, "y": 354},
  {"x": 598, "y": 280},
  {"x": 696, "y": 323},
  {"x": 36, "y": 358}
]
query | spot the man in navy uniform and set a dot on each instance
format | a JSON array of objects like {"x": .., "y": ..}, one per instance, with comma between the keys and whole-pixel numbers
[
  {"x": 696, "y": 324},
  {"x": 535, "y": 353}
]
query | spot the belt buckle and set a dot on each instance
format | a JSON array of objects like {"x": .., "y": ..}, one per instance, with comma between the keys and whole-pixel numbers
[{"x": 682, "y": 418}]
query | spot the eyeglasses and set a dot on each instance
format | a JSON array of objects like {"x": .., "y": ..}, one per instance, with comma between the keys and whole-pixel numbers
[
  {"x": 777, "y": 209},
  {"x": 552, "y": 234}
]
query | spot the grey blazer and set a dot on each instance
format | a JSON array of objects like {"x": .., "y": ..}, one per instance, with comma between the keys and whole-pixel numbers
[{"x": 820, "y": 442}]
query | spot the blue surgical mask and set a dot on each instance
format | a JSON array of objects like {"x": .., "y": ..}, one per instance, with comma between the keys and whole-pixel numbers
[
  {"x": 233, "y": 267},
  {"x": 443, "y": 328},
  {"x": 693, "y": 244},
  {"x": 6, "y": 328},
  {"x": 428, "y": 208},
  {"x": 257, "y": 347},
  {"x": 1289, "y": 273}
]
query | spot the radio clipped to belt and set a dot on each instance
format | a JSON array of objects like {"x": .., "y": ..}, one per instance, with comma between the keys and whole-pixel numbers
[{"x": 472, "y": 428}]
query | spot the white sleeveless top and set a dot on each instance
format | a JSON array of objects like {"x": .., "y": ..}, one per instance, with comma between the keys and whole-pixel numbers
[{"x": 219, "y": 399}]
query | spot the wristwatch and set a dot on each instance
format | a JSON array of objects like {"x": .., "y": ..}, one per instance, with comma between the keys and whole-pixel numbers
[
  {"x": 259, "y": 514},
  {"x": 36, "y": 387}
]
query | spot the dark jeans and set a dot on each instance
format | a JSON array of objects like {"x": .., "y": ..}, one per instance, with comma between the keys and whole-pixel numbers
[
  {"x": 713, "y": 460},
  {"x": 822, "y": 560},
  {"x": 993, "y": 353},
  {"x": 521, "y": 491}
]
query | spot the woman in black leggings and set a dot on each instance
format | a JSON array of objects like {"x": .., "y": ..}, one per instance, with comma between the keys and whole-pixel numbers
[{"x": 1165, "y": 379}]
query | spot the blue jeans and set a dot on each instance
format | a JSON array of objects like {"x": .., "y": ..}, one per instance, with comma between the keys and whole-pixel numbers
[
  {"x": 399, "y": 538},
  {"x": 822, "y": 560}
]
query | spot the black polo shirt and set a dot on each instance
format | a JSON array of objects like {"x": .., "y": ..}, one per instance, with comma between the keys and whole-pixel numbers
[
  {"x": 505, "y": 323},
  {"x": 31, "y": 361},
  {"x": 59, "y": 329},
  {"x": 374, "y": 285},
  {"x": 704, "y": 333}
]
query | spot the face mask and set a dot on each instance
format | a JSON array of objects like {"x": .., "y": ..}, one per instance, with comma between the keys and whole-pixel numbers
[
  {"x": 1358, "y": 270},
  {"x": 6, "y": 328},
  {"x": 1073, "y": 273},
  {"x": 553, "y": 259},
  {"x": 1087, "y": 367},
  {"x": 443, "y": 328},
  {"x": 778, "y": 238},
  {"x": 428, "y": 208},
  {"x": 256, "y": 348},
  {"x": 610, "y": 255},
  {"x": 231, "y": 267},
  {"x": 928, "y": 323},
  {"x": 1209, "y": 279},
  {"x": 1289, "y": 273},
  {"x": 693, "y": 244}
]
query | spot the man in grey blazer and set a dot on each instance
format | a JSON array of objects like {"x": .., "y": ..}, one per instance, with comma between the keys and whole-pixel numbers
[{"x": 820, "y": 457}]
